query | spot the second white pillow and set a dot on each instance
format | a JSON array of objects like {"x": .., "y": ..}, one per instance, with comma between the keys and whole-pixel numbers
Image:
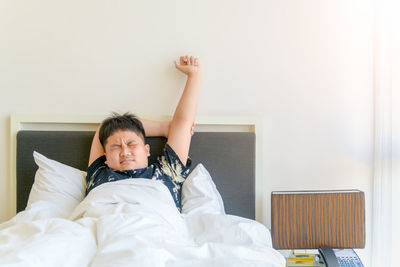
[{"x": 200, "y": 195}]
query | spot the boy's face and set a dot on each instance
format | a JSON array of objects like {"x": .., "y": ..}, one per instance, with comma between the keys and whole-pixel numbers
[{"x": 125, "y": 150}]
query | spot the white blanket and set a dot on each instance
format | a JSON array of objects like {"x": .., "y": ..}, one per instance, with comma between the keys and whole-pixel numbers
[{"x": 133, "y": 222}]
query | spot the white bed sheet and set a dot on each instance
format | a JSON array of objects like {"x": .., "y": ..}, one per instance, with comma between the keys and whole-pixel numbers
[{"x": 133, "y": 222}]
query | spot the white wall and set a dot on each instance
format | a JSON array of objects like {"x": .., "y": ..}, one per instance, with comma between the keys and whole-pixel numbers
[{"x": 304, "y": 67}]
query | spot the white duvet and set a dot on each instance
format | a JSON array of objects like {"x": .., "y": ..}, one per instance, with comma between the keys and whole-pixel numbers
[{"x": 133, "y": 222}]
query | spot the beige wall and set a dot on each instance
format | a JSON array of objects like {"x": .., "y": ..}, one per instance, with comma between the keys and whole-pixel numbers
[{"x": 304, "y": 67}]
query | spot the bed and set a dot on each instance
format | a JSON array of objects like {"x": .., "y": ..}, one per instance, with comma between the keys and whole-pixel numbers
[{"x": 122, "y": 223}]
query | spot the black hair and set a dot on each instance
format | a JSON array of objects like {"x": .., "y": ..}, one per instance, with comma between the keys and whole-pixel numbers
[{"x": 123, "y": 122}]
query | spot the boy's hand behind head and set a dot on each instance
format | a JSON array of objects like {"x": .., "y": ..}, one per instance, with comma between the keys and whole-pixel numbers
[{"x": 188, "y": 65}]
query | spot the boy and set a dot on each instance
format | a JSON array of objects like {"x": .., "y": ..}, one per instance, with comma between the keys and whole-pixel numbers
[{"x": 119, "y": 151}]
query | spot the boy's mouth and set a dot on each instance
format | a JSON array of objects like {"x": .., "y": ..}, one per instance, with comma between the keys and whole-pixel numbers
[{"x": 126, "y": 161}]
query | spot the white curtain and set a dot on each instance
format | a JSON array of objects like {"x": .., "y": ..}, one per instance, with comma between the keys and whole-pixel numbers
[
  {"x": 386, "y": 194},
  {"x": 396, "y": 133}
]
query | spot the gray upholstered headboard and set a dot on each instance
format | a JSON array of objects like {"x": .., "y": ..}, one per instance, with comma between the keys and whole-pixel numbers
[{"x": 228, "y": 156}]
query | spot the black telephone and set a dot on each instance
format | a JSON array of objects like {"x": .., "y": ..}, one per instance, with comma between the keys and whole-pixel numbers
[{"x": 340, "y": 257}]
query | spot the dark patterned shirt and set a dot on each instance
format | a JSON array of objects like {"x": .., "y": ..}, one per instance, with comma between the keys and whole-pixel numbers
[{"x": 168, "y": 168}]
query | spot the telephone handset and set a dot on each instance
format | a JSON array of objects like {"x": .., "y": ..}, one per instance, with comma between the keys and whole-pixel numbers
[{"x": 340, "y": 257}]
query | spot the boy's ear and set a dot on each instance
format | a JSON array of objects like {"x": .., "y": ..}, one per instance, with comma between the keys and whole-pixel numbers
[
  {"x": 106, "y": 162},
  {"x": 148, "y": 149}
]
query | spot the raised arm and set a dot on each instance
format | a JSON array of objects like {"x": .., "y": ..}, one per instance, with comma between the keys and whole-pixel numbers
[
  {"x": 152, "y": 128},
  {"x": 179, "y": 136}
]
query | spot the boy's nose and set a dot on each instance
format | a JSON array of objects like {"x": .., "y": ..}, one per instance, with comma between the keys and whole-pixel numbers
[{"x": 125, "y": 151}]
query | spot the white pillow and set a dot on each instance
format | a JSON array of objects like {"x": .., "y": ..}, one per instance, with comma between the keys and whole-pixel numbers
[
  {"x": 57, "y": 183},
  {"x": 200, "y": 195}
]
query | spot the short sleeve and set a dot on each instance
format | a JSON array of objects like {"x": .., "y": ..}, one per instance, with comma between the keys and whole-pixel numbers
[
  {"x": 93, "y": 171},
  {"x": 170, "y": 165}
]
